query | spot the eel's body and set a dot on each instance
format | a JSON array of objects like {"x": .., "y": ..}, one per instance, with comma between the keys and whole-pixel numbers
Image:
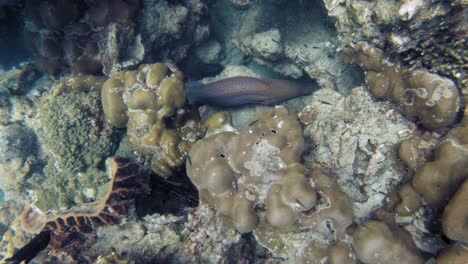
[{"x": 244, "y": 90}]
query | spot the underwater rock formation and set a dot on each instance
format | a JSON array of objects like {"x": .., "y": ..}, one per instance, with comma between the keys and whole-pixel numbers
[
  {"x": 110, "y": 209},
  {"x": 198, "y": 237},
  {"x": 353, "y": 137},
  {"x": 270, "y": 38},
  {"x": 420, "y": 34},
  {"x": 86, "y": 37},
  {"x": 429, "y": 98},
  {"x": 76, "y": 140},
  {"x": 12, "y": 235},
  {"x": 95, "y": 37},
  {"x": 169, "y": 29},
  {"x": 151, "y": 103},
  {"x": 18, "y": 80},
  {"x": 16, "y": 142},
  {"x": 241, "y": 90}
]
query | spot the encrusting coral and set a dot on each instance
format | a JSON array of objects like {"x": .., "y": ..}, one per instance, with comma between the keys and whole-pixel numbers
[
  {"x": 151, "y": 103},
  {"x": 431, "y": 99}
]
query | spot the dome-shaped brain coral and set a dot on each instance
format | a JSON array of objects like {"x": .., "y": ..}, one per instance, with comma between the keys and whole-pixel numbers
[
  {"x": 239, "y": 173},
  {"x": 150, "y": 102}
]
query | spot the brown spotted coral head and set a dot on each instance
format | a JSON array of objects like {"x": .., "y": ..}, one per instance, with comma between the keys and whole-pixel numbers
[{"x": 241, "y": 90}]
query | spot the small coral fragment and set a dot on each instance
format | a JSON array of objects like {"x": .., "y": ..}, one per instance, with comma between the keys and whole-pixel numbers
[{"x": 415, "y": 151}]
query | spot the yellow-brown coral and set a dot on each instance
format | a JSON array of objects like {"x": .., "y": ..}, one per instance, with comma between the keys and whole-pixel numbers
[
  {"x": 150, "y": 102},
  {"x": 376, "y": 242},
  {"x": 261, "y": 165},
  {"x": 438, "y": 180}
]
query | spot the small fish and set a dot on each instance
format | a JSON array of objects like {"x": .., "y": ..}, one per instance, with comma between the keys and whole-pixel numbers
[{"x": 242, "y": 90}]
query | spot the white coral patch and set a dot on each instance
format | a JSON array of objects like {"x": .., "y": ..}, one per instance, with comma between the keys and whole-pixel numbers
[{"x": 264, "y": 157}]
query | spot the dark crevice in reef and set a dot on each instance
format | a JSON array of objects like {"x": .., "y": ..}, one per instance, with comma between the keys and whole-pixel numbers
[
  {"x": 247, "y": 250},
  {"x": 168, "y": 196}
]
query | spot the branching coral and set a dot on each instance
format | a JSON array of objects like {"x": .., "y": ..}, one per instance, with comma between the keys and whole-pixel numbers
[
  {"x": 150, "y": 102},
  {"x": 430, "y": 98}
]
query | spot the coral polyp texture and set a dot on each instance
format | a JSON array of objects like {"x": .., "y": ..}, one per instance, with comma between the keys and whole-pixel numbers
[
  {"x": 109, "y": 210},
  {"x": 427, "y": 97},
  {"x": 151, "y": 103}
]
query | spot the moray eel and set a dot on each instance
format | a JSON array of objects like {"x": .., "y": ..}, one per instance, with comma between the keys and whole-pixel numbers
[{"x": 242, "y": 90}]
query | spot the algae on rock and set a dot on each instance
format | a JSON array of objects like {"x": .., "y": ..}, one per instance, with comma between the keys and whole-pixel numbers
[{"x": 77, "y": 140}]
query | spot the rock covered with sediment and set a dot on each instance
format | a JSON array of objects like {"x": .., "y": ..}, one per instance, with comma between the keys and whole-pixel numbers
[{"x": 353, "y": 136}]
